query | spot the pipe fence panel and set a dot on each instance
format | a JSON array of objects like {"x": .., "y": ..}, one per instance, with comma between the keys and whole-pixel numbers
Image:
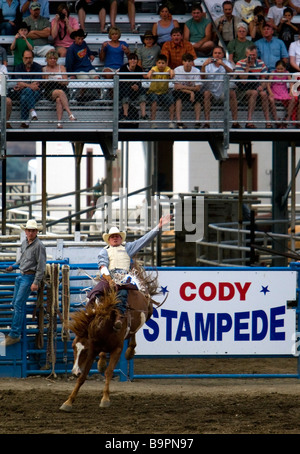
[{"x": 225, "y": 312}]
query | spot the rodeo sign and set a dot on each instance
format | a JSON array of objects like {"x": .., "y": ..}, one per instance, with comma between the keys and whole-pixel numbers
[{"x": 222, "y": 312}]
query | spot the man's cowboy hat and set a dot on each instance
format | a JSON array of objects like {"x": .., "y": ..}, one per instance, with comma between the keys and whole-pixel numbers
[
  {"x": 113, "y": 231},
  {"x": 78, "y": 32},
  {"x": 149, "y": 34},
  {"x": 31, "y": 225}
]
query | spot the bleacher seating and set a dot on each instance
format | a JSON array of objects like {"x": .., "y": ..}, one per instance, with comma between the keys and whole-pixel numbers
[{"x": 99, "y": 114}]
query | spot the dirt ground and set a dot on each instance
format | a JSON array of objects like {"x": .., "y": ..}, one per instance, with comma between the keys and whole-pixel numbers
[{"x": 161, "y": 406}]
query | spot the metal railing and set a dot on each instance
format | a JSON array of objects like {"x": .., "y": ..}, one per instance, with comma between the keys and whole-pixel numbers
[{"x": 223, "y": 100}]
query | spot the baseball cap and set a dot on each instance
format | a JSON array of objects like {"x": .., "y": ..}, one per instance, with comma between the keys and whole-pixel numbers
[{"x": 35, "y": 5}]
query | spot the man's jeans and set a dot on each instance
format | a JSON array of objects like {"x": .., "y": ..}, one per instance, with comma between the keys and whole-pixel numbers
[
  {"x": 28, "y": 99},
  {"x": 21, "y": 293}
]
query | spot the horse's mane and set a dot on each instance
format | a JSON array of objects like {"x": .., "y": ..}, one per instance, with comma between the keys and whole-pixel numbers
[{"x": 80, "y": 320}]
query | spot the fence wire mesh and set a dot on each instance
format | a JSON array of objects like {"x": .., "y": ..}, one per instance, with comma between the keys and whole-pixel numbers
[{"x": 220, "y": 102}]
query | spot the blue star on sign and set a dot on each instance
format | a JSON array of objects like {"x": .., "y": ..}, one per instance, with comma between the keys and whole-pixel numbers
[
  {"x": 164, "y": 290},
  {"x": 264, "y": 290}
]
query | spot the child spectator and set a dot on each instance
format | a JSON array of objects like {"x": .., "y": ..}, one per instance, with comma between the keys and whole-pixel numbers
[
  {"x": 286, "y": 29},
  {"x": 187, "y": 88},
  {"x": 79, "y": 57},
  {"x": 147, "y": 54},
  {"x": 21, "y": 43},
  {"x": 79, "y": 60},
  {"x": 159, "y": 91},
  {"x": 132, "y": 90},
  {"x": 275, "y": 14},
  {"x": 279, "y": 91}
]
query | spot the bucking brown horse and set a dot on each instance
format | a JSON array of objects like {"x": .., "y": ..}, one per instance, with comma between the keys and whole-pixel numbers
[{"x": 93, "y": 327}]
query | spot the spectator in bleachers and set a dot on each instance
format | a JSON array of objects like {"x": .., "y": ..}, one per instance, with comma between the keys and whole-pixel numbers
[
  {"x": 130, "y": 10},
  {"x": 279, "y": 91},
  {"x": 112, "y": 52},
  {"x": 294, "y": 54},
  {"x": 132, "y": 90},
  {"x": 10, "y": 17},
  {"x": 237, "y": 47},
  {"x": 100, "y": 7},
  {"x": 162, "y": 29},
  {"x": 187, "y": 85},
  {"x": 275, "y": 14},
  {"x": 25, "y": 8},
  {"x": 3, "y": 56},
  {"x": 176, "y": 48},
  {"x": 28, "y": 90},
  {"x": 286, "y": 29},
  {"x": 158, "y": 92},
  {"x": 175, "y": 6},
  {"x": 3, "y": 70},
  {"x": 79, "y": 57},
  {"x": 198, "y": 30},
  {"x": 148, "y": 53},
  {"x": 39, "y": 30},
  {"x": 227, "y": 24},
  {"x": 245, "y": 9},
  {"x": 257, "y": 23},
  {"x": 57, "y": 89},
  {"x": 212, "y": 68},
  {"x": 61, "y": 28},
  {"x": 295, "y": 5},
  {"x": 256, "y": 69},
  {"x": 271, "y": 49},
  {"x": 20, "y": 43}
]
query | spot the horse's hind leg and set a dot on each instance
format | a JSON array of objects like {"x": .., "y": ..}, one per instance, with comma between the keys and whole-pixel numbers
[
  {"x": 114, "y": 358},
  {"x": 129, "y": 354},
  {"x": 67, "y": 405}
]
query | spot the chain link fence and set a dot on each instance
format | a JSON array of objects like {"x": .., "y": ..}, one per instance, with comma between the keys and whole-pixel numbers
[{"x": 224, "y": 102}]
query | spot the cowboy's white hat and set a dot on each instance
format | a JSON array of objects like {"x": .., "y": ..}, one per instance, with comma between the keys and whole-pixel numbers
[
  {"x": 31, "y": 225},
  {"x": 113, "y": 231}
]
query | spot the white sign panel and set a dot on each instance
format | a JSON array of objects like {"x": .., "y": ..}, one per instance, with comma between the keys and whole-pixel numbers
[{"x": 226, "y": 312}]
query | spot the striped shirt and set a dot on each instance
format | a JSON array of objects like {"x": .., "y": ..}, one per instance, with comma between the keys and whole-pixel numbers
[{"x": 258, "y": 67}]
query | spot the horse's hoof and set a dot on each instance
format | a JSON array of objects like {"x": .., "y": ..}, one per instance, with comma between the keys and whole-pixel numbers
[
  {"x": 104, "y": 404},
  {"x": 66, "y": 407}
]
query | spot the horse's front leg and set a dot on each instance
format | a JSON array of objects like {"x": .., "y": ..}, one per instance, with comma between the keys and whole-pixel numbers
[
  {"x": 67, "y": 405},
  {"x": 101, "y": 365},
  {"x": 114, "y": 358}
]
